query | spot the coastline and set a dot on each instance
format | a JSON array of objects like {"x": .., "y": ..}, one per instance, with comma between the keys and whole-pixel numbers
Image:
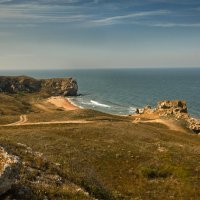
[
  {"x": 62, "y": 102},
  {"x": 71, "y": 102}
]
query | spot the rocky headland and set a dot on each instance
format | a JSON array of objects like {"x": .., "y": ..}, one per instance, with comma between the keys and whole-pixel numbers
[
  {"x": 175, "y": 108},
  {"x": 54, "y": 86}
]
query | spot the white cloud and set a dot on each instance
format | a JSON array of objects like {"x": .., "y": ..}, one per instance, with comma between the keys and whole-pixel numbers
[{"x": 120, "y": 18}]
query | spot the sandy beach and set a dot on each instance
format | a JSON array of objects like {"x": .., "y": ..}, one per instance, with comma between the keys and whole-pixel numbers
[{"x": 62, "y": 102}]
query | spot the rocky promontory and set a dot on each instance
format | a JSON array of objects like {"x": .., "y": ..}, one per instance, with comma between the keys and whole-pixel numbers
[
  {"x": 174, "y": 108},
  {"x": 54, "y": 86}
]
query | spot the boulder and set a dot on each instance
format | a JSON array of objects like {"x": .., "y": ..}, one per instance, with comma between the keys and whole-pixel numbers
[
  {"x": 139, "y": 111},
  {"x": 146, "y": 110},
  {"x": 8, "y": 170},
  {"x": 194, "y": 124}
]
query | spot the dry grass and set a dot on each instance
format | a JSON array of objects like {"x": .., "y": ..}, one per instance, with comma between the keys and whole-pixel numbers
[
  {"x": 111, "y": 158},
  {"x": 118, "y": 160}
]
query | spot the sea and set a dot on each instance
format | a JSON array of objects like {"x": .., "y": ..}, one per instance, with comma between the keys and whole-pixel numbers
[{"x": 121, "y": 91}]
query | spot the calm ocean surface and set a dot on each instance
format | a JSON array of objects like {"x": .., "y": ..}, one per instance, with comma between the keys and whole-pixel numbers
[{"x": 120, "y": 91}]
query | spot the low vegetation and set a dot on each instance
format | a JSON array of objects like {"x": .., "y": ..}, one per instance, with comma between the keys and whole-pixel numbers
[{"x": 110, "y": 158}]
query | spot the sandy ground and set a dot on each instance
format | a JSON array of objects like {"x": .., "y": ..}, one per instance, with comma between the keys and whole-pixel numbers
[
  {"x": 62, "y": 102},
  {"x": 171, "y": 124},
  {"x": 43, "y": 107}
]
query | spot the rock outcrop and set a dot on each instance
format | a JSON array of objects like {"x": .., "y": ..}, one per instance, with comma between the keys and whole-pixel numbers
[
  {"x": 194, "y": 124},
  {"x": 8, "y": 170},
  {"x": 60, "y": 86},
  {"x": 54, "y": 86},
  {"x": 18, "y": 84},
  {"x": 175, "y": 108},
  {"x": 146, "y": 109}
]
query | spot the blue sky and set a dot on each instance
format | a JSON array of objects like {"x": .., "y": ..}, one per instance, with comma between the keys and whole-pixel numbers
[{"x": 99, "y": 33}]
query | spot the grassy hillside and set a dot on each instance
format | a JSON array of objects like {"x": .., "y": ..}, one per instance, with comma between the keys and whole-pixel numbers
[{"x": 110, "y": 158}]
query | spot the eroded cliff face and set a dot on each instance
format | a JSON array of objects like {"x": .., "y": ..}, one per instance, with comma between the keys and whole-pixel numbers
[
  {"x": 18, "y": 84},
  {"x": 54, "y": 86},
  {"x": 60, "y": 86}
]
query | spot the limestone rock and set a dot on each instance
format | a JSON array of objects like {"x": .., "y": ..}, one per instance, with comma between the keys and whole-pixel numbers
[
  {"x": 18, "y": 84},
  {"x": 175, "y": 108},
  {"x": 8, "y": 170},
  {"x": 139, "y": 111},
  {"x": 60, "y": 86},
  {"x": 172, "y": 107},
  {"x": 54, "y": 86},
  {"x": 146, "y": 110},
  {"x": 194, "y": 124}
]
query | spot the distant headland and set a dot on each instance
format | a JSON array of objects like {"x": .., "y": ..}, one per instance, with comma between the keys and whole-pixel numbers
[{"x": 53, "y": 86}]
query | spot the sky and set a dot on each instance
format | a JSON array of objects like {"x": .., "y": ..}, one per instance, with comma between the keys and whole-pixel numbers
[{"x": 69, "y": 34}]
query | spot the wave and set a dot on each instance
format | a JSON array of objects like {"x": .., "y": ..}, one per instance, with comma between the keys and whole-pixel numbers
[
  {"x": 96, "y": 103},
  {"x": 105, "y": 106},
  {"x": 72, "y": 102},
  {"x": 132, "y": 109}
]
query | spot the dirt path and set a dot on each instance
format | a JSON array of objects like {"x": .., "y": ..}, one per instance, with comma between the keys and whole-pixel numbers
[
  {"x": 23, "y": 122},
  {"x": 169, "y": 123},
  {"x": 52, "y": 122}
]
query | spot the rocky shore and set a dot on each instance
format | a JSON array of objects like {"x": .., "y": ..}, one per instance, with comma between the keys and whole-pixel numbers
[
  {"x": 54, "y": 86},
  {"x": 174, "y": 108}
]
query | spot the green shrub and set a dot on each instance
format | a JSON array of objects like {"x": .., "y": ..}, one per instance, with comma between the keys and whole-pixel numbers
[{"x": 156, "y": 172}]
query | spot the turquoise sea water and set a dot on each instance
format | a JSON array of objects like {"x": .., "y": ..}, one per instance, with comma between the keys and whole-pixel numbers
[{"x": 120, "y": 91}]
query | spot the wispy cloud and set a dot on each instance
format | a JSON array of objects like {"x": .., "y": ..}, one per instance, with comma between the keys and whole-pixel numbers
[
  {"x": 91, "y": 13},
  {"x": 5, "y": 1},
  {"x": 34, "y": 13},
  {"x": 168, "y": 25},
  {"x": 121, "y": 18}
]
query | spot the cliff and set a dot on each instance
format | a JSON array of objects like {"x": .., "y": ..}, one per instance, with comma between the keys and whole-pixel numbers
[
  {"x": 54, "y": 86},
  {"x": 60, "y": 86}
]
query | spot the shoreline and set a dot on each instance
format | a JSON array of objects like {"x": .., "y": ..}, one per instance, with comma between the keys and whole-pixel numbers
[
  {"x": 62, "y": 102},
  {"x": 71, "y": 102}
]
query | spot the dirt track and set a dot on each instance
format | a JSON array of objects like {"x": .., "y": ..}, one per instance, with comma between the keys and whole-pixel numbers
[
  {"x": 169, "y": 123},
  {"x": 23, "y": 122}
]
